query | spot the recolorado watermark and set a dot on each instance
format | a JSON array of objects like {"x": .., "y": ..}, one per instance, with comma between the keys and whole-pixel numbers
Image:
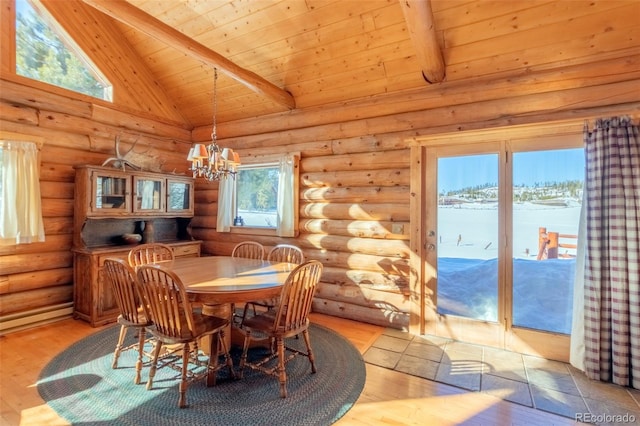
[{"x": 605, "y": 418}]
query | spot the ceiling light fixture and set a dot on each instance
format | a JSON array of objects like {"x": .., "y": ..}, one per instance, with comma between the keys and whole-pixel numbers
[{"x": 210, "y": 161}]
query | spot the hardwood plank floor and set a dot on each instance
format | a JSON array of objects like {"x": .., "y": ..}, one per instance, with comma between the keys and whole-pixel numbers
[{"x": 388, "y": 398}]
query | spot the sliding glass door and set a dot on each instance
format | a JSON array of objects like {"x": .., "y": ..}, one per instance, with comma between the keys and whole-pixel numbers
[
  {"x": 546, "y": 198},
  {"x": 503, "y": 220},
  {"x": 467, "y": 229},
  {"x": 468, "y": 236}
]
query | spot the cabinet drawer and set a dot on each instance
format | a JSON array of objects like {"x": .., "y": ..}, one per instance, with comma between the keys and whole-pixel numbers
[{"x": 187, "y": 250}]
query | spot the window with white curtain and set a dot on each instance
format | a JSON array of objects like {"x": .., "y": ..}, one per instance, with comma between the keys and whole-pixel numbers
[
  {"x": 262, "y": 198},
  {"x": 20, "y": 202},
  {"x": 256, "y": 202}
]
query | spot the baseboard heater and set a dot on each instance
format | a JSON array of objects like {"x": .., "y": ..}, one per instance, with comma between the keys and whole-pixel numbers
[{"x": 35, "y": 317}]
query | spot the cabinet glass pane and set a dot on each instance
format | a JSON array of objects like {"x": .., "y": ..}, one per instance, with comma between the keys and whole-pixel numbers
[
  {"x": 148, "y": 194},
  {"x": 179, "y": 196},
  {"x": 111, "y": 192}
]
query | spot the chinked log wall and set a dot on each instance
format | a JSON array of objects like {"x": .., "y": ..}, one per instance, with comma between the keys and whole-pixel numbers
[
  {"x": 38, "y": 278},
  {"x": 355, "y": 174}
]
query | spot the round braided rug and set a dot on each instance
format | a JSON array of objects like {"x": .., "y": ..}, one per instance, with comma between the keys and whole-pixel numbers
[{"x": 80, "y": 385}]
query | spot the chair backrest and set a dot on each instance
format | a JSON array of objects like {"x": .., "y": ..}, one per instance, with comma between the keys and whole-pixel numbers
[
  {"x": 146, "y": 254},
  {"x": 286, "y": 253},
  {"x": 296, "y": 297},
  {"x": 123, "y": 283},
  {"x": 166, "y": 299},
  {"x": 248, "y": 249}
]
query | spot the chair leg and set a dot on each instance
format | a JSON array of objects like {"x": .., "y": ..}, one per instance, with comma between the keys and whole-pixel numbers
[
  {"x": 282, "y": 372},
  {"x": 227, "y": 356},
  {"x": 212, "y": 365},
  {"x": 218, "y": 341},
  {"x": 119, "y": 345},
  {"x": 312, "y": 358},
  {"x": 141, "y": 339},
  {"x": 245, "y": 310},
  {"x": 245, "y": 350},
  {"x": 154, "y": 364},
  {"x": 186, "y": 353}
]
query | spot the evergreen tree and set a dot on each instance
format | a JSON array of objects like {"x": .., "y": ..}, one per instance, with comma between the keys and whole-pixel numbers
[
  {"x": 41, "y": 55},
  {"x": 258, "y": 189}
]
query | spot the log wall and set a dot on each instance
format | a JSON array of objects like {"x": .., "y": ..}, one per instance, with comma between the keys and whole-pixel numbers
[
  {"x": 354, "y": 173},
  {"x": 36, "y": 277}
]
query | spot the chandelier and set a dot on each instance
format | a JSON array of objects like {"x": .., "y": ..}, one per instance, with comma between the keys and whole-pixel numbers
[{"x": 210, "y": 161}]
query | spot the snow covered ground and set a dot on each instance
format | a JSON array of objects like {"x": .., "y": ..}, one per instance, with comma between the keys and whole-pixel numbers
[{"x": 468, "y": 267}]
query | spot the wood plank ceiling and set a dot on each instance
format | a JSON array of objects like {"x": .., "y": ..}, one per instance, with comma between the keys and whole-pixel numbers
[
  {"x": 334, "y": 51},
  {"x": 319, "y": 51}
]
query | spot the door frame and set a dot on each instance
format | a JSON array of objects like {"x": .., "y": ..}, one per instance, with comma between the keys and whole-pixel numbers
[
  {"x": 423, "y": 316},
  {"x": 452, "y": 326}
]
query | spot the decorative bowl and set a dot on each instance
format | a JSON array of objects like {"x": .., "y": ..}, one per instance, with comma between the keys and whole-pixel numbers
[{"x": 131, "y": 238}]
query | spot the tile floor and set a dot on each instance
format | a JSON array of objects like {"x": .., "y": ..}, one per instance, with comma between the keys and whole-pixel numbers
[{"x": 547, "y": 385}]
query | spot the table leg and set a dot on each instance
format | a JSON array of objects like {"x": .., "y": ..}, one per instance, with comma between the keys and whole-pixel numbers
[{"x": 222, "y": 311}]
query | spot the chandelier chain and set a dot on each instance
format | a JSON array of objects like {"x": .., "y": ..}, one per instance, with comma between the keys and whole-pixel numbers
[
  {"x": 214, "y": 133},
  {"x": 211, "y": 162}
]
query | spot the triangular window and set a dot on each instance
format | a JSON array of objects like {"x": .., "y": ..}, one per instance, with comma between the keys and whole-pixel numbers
[{"x": 44, "y": 52}]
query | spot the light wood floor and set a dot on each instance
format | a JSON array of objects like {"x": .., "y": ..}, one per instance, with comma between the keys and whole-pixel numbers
[{"x": 388, "y": 398}]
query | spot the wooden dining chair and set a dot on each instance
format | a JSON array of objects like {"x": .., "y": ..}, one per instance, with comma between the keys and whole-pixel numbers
[
  {"x": 132, "y": 314},
  {"x": 152, "y": 253},
  {"x": 280, "y": 253},
  {"x": 286, "y": 253},
  {"x": 175, "y": 322},
  {"x": 248, "y": 249},
  {"x": 290, "y": 319}
]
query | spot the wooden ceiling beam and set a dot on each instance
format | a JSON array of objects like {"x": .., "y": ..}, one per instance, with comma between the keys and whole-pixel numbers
[
  {"x": 419, "y": 19},
  {"x": 153, "y": 27}
]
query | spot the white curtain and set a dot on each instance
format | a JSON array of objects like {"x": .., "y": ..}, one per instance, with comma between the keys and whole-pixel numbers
[
  {"x": 225, "y": 205},
  {"x": 21, "y": 212},
  {"x": 286, "y": 197}
]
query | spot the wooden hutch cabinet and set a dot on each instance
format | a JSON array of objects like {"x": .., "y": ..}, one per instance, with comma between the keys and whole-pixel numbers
[{"x": 111, "y": 202}]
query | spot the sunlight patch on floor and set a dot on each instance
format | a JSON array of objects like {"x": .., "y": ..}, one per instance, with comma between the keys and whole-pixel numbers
[{"x": 421, "y": 411}]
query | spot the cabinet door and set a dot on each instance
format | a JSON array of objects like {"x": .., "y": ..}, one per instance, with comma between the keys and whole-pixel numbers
[
  {"x": 180, "y": 195},
  {"x": 107, "y": 307},
  {"x": 104, "y": 298},
  {"x": 148, "y": 194},
  {"x": 111, "y": 193}
]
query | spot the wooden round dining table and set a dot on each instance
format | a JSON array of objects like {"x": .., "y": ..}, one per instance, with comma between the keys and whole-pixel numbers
[{"x": 225, "y": 279}]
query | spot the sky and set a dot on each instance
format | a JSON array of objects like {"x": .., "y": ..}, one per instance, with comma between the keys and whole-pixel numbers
[
  {"x": 529, "y": 168},
  {"x": 21, "y": 6}
]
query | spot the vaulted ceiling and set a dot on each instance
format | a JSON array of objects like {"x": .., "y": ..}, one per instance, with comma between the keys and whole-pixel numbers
[{"x": 310, "y": 53}]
